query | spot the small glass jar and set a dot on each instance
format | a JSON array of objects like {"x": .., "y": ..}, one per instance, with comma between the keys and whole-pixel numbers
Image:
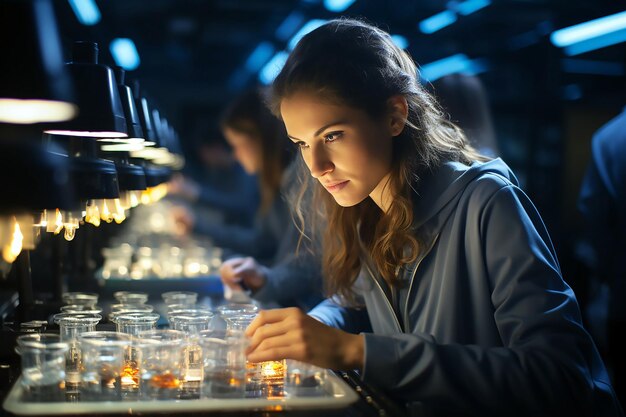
[
  {"x": 127, "y": 297},
  {"x": 82, "y": 298},
  {"x": 135, "y": 322},
  {"x": 161, "y": 368},
  {"x": 104, "y": 363},
  {"x": 180, "y": 297},
  {"x": 71, "y": 325},
  {"x": 43, "y": 366}
]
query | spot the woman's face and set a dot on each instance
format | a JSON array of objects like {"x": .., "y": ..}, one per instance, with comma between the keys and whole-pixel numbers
[
  {"x": 246, "y": 150},
  {"x": 347, "y": 151}
]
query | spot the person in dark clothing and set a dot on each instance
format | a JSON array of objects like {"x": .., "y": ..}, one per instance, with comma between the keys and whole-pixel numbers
[
  {"x": 446, "y": 290},
  {"x": 266, "y": 262},
  {"x": 602, "y": 202}
]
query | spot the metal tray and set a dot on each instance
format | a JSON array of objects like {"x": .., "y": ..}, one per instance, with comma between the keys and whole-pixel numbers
[{"x": 337, "y": 395}]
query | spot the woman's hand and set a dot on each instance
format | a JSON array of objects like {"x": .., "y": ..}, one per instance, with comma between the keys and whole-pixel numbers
[
  {"x": 184, "y": 187},
  {"x": 237, "y": 273},
  {"x": 291, "y": 334},
  {"x": 183, "y": 219}
]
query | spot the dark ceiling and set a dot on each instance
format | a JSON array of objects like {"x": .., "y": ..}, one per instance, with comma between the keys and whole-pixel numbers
[{"x": 193, "y": 51}]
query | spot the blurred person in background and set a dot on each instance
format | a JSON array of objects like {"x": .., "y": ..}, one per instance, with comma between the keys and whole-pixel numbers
[
  {"x": 224, "y": 186},
  {"x": 602, "y": 202},
  {"x": 221, "y": 186},
  {"x": 464, "y": 99},
  {"x": 265, "y": 264}
]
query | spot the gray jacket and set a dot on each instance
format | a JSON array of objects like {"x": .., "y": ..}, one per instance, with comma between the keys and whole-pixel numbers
[{"x": 484, "y": 323}]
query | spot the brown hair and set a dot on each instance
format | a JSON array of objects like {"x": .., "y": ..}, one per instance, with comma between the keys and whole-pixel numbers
[
  {"x": 248, "y": 114},
  {"x": 355, "y": 64}
]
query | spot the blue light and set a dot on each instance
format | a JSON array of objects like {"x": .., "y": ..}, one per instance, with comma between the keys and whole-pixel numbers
[
  {"x": 125, "y": 53},
  {"x": 471, "y": 6},
  {"x": 596, "y": 43},
  {"x": 86, "y": 11},
  {"x": 400, "y": 41},
  {"x": 272, "y": 68},
  {"x": 337, "y": 6},
  {"x": 289, "y": 26},
  {"x": 259, "y": 56},
  {"x": 589, "y": 30},
  {"x": 584, "y": 66},
  {"x": 437, "y": 22},
  {"x": 458, "y": 63},
  {"x": 309, "y": 26}
]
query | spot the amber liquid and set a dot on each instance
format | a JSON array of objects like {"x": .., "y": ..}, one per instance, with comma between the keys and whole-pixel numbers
[
  {"x": 163, "y": 386},
  {"x": 225, "y": 383}
]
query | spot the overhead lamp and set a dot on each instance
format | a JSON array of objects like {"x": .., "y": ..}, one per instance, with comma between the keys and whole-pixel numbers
[
  {"x": 101, "y": 112},
  {"x": 458, "y": 63},
  {"x": 159, "y": 150},
  {"x": 133, "y": 125},
  {"x": 309, "y": 26},
  {"x": 35, "y": 85},
  {"x": 86, "y": 11},
  {"x": 143, "y": 110},
  {"x": 259, "y": 56},
  {"x": 125, "y": 53},
  {"x": 96, "y": 182},
  {"x": 437, "y": 22},
  {"x": 289, "y": 26},
  {"x": 591, "y": 35},
  {"x": 35, "y": 178},
  {"x": 156, "y": 178},
  {"x": 131, "y": 178},
  {"x": 271, "y": 70},
  {"x": 337, "y": 6}
]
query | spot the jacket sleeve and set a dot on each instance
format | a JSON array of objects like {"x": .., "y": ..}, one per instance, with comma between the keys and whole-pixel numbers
[
  {"x": 296, "y": 280},
  {"x": 599, "y": 210},
  {"x": 352, "y": 320},
  {"x": 547, "y": 363}
]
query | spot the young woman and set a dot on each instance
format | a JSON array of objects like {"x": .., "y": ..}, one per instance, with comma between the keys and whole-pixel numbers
[
  {"x": 446, "y": 288},
  {"x": 266, "y": 269}
]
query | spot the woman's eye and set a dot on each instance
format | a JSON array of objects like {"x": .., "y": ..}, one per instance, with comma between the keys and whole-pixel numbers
[
  {"x": 333, "y": 136},
  {"x": 301, "y": 145}
]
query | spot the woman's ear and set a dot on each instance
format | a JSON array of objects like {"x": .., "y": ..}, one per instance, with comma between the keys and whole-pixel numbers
[{"x": 398, "y": 114}]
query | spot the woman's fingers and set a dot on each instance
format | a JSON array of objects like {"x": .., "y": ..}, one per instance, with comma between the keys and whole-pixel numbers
[{"x": 266, "y": 317}]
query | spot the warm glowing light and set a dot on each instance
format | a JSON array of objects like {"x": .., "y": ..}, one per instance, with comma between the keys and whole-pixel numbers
[
  {"x": 105, "y": 212},
  {"x": 13, "y": 249},
  {"x": 130, "y": 199},
  {"x": 71, "y": 222},
  {"x": 35, "y": 111},
  {"x": 118, "y": 211},
  {"x": 153, "y": 194},
  {"x": 130, "y": 375},
  {"x": 30, "y": 233},
  {"x": 54, "y": 221},
  {"x": 42, "y": 221},
  {"x": 92, "y": 214},
  {"x": 70, "y": 233},
  {"x": 87, "y": 133},
  {"x": 122, "y": 147},
  {"x": 135, "y": 198}
]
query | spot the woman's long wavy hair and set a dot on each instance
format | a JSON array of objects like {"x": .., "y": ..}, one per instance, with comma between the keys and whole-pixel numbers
[
  {"x": 352, "y": 63},
  {"x": 249, "y": 115}
]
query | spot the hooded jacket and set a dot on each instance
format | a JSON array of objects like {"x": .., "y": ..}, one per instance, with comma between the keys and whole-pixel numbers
[{"x": 483, "y": 322}]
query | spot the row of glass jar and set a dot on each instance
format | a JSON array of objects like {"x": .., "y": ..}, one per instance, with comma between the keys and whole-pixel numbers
[
  {"x": 190, "y": 360},
  {"x": 157, "y": 364},
  {"x": 166, "y": 261}
]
